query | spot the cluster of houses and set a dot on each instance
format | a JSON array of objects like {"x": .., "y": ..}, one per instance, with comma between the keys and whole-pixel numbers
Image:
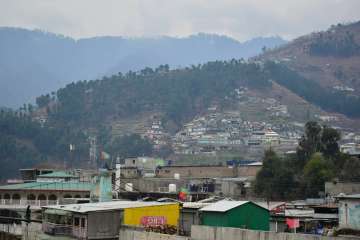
[
  {"x": 88, "y": 204},
  {"x": 223, "y": 132}
]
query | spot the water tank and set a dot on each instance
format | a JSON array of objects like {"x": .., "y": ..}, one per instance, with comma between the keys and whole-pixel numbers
[
  {"x": 172, "y": 187},
  {"x": 129, "y": 187},
  {"x": 177, "y": 175}
]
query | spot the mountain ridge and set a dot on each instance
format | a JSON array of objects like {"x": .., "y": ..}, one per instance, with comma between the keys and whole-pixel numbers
[{"x": 34, "y": 62}]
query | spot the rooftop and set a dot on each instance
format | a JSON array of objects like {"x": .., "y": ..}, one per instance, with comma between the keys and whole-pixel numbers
[
  {"x": 271, "y": 205},
  {"x": 224, "y": 206},
  {"x": 57, "y": 174},
  {"x": 106, "y": 206},
  {"x": 54, "y": 186},
  {"x": 195, "y": 205},
  {"x": 352, "y": 196}
]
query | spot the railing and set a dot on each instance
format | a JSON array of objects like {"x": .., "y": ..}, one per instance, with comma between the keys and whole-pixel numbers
[
  {"x": 24, "y": 202},
  {"x": 11, "y": 228},
  {"x": 57, "y": 229}
]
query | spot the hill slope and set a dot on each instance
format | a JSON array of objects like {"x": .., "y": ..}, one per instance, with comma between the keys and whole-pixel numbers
[
  {"x": 330, "y": 58},
  {"x": 35, "y": 62}
]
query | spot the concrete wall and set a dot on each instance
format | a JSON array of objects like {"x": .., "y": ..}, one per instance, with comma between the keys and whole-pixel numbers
[
  {"x": 8, "y": 236},
  {"x": 196, "y": 171},
  {"x": 222, "y": 233},
  {"x": 21, "y": 231},
  {"x": 349, "y": 213},
  {"x": 156, "y": 184},
  {"x": 131, "y": 234},
  {"x": 248, "y": 171},
  {"x": 334, "y": 189}
]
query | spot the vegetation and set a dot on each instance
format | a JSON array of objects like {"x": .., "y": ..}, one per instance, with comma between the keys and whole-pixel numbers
[
  {"x": 180, "y": 94},
  {"x": 129, "y": 146},
  {"x": 303, "y": 174},
  {"x": 309, "y": 90},
  {"x": 24, "y": 143},
  {"x": 337, "y": 45}
]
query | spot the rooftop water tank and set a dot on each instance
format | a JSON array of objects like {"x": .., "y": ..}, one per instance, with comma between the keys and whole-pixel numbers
[{"x": 172, "y": 187}]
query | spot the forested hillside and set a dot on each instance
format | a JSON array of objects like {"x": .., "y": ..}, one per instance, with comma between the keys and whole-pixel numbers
[
  {"x": 330, "y": 59},
  {"x": 90, "y": 107},
  {"x": 36, "y": 62}
]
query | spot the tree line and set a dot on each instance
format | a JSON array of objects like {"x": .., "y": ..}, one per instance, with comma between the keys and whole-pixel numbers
[{"x": 303, "y": 174}]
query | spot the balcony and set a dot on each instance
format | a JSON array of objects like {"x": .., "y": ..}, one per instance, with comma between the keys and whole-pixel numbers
[{"x": 21, "y": 203}]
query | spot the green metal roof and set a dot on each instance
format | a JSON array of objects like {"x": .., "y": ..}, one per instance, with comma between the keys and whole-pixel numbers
[
  {"x": 57, "y": 174},
  {"x": 58, "y": 212},
  {"x": 56, "y": 186}
]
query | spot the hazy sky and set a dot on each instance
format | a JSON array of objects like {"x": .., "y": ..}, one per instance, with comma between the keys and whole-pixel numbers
[{"x": 241, "y": 19}]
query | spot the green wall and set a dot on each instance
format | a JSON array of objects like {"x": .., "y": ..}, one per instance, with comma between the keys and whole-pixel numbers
[{"x": 248, "y": 215}]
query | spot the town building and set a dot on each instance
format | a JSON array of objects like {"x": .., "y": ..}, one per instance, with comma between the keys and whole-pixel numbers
[
  {"x": 334, "y": 188},
  {"x": 46, "y": 189},
  {"x": 349, "y": 211},
  {"x": 238, "y": 214},
  {"x": 103, "y": 220}
]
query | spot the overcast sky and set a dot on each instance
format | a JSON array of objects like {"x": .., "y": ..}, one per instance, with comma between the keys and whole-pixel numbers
[{"x": 241, "y": 19}]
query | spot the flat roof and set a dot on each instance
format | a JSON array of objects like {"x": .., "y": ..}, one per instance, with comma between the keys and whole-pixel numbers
[
  {"x": 106, "y": 206},
  {"x": 352, "y": 196},
  {"x": 57, "y": 174},
  {"x": 54, "y": 186}
]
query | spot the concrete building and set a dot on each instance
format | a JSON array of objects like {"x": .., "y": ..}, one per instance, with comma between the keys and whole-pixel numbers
[
  {"x": 349, "y": 211},
  {"x": 57, "y": 176},
  {"x": 103, "y": 220},
  {"x": 205, "y": 171},
  {"x": 49, "y": 188},
  {"x": 145, "y": 165},
  {"x": 209, "y": 171},
  {"x": 333, "y": 189},
  {"x": 31, "y": 174},
  {"x": 42, "y": 193}
]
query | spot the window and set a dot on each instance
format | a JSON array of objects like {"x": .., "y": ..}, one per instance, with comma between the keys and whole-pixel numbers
[
  {"x": 82, "y": 222},
  {"x": 76, "y": 222}
]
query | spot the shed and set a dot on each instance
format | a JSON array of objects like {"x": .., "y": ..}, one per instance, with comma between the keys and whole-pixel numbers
[
  {"x": 103, "y": 220},
  {"x": 238, "y": 214}
]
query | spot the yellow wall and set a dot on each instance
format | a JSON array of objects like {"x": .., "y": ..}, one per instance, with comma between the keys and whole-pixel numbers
[{"x": 133, "y": 216}]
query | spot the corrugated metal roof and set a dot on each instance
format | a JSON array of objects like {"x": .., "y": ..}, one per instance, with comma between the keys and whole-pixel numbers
[
  {"x": 195, "y": 205},
  {"x": 222, "y": 206},
  {"x": 56, "y": 186},
  {"x": 270, "y": 205},
  {"x": 299, "y": 212},
  {"x": 105, "y": 206}
]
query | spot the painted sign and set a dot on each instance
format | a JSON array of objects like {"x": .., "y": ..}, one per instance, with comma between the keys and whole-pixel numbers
[
  {"x": 153, "y": 221},
  {"x": 157, "y": 214}
]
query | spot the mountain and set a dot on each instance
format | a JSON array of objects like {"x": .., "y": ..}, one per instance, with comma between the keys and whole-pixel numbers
[
  {"x": 35, "y": 62},
  {"x": 330, "y": 59}
]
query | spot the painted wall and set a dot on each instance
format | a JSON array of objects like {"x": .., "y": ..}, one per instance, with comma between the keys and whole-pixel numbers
[
  {"x": 248, "y": 216},
  {"x": 154, "y": 215},
  {"x": 349, "y": 213},
  {"x": 130, "y": 234}
]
